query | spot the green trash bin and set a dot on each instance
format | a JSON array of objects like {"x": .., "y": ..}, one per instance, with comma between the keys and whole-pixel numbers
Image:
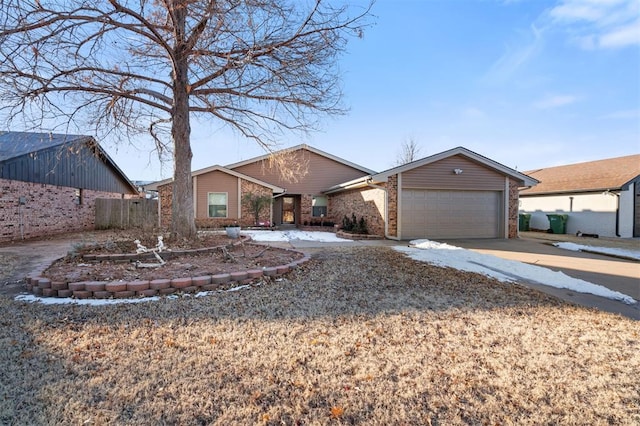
[
  {"x": 558, "y": 223},
  {"x": 523, "y": 222}
]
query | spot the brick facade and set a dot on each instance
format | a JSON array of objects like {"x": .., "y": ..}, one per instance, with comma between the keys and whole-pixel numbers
[
  {"x": 366, "y": 202},
  {"x": 306, "y": 209},
  {"x": 392, "y": 197},
  {"x": 247, "y": 215},
  {"x": 514, "y": 201},
  {"x": 47, "y": 209},
  {"x": 166, "y": 202}
]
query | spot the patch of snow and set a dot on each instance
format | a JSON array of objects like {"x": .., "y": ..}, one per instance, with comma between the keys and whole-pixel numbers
[
  {"x": 86, "y": 302},
  {"x": 632, "y": 254},
  {"x": 294, "y": 234},
  {"x": 446, "y": 255},
  {"x": 30, "y": 298}
]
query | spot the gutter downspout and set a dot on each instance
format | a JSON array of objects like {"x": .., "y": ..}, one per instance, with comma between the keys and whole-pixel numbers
[
  {"x": 617, "y": 195},
  {"x": 617, "y": 214},
  {"x": 386, "y": 208}
]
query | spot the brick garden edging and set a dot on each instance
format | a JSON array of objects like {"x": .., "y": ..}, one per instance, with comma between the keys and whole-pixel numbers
[
  {"x": 44, "y": 287},
  {"x": 349, "y": 236}
]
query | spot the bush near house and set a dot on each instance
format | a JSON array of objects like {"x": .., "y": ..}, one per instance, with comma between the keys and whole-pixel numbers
[
  {"x": 257, "y": 203},
  {"x": 354, "y": 225}
]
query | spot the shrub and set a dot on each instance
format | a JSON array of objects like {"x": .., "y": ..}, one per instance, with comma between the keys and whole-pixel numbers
[
  {"x": 354, "y": 226},
  {"x": 257, "y": 203}
]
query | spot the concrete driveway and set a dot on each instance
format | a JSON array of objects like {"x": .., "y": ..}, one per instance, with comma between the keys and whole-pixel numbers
[{"x": 616, "y": 274}]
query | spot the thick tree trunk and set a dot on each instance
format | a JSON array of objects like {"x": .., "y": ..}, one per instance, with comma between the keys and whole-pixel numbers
[{"x": 182, "y": 214}]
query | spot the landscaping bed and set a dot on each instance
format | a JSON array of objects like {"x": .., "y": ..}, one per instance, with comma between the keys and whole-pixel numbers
[{"x": 112, "y": 269}]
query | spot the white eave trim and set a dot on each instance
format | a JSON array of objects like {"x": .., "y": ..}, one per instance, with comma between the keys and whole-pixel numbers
[{"x": 360, "y": 182}]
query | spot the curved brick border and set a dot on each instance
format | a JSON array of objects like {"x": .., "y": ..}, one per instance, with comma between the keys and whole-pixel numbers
[
  {"x": 349, "y": 236},
  {"x": 44, "y": 287}
]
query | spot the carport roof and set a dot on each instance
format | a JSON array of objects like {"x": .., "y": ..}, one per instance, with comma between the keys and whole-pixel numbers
[{"x": 592, "y": 176}]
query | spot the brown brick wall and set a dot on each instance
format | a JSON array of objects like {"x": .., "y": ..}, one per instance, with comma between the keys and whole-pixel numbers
[
  {"x": 306, "y": 205},
  {"x": 48, "y": 210},
  {"x": 247, "y": 216},
  {"x": 392, "y": 199},
  {"x": 514, "y": 201},
  {"x": 164, "y": 196},
  {"x": 365, "y": 202}
]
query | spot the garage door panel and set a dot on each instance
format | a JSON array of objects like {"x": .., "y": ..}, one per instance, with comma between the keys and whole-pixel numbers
[{"x": 451, "y": 214}]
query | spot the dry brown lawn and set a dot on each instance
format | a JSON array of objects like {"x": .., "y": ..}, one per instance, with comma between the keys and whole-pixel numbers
[{"x": 356, "y": 336}]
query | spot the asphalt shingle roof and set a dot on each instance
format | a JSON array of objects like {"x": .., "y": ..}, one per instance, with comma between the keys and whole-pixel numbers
[{"x": 611, "y": 173}]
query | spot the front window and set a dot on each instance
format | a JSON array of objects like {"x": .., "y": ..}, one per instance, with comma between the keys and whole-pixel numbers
[
  {"x": 217, "y": 204},
  {"x": 319, "y": 206}
]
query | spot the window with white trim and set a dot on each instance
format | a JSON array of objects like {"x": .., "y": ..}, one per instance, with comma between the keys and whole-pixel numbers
[
  {"x": 319, "y": 206},
  {"x": 217, "y": 204}
]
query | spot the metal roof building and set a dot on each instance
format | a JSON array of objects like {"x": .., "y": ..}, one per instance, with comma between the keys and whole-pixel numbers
[{"x": 63, "y": 160}]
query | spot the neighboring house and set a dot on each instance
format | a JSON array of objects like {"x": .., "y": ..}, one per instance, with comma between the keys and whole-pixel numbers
[
  {"x": 454, "y": 194},
  {"x": 600, "y": 197},
  {"x": 50, "y": 183}
]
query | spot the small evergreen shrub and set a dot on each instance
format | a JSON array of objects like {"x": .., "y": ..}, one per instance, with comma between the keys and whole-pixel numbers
[{"x": 354, "y": 225}]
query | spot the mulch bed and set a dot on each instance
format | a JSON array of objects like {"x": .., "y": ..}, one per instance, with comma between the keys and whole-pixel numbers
[{"x": 225, "y": 255}]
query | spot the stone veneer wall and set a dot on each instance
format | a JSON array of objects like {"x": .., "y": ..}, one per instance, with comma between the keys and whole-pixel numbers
[
  {"x": 392, "y": 200},
  {"x": 48, "y": 209},
  {"x": 365, "y": 202},
  {"x": 514, "y": 200}
]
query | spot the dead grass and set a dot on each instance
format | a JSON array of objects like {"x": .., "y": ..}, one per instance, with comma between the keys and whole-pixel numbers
[{"x": 359, "y": 336}]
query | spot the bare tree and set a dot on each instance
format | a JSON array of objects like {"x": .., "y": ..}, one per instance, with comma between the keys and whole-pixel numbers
[
  {"x": 409, "y": 151},
  {"x": 263, "y": 67}
]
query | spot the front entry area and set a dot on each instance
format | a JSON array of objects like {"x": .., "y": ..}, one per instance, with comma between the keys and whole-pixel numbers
[{"x": 286, "y": 210}]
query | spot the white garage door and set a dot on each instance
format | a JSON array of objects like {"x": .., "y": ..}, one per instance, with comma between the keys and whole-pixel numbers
[{"x": 451, "y": 214}]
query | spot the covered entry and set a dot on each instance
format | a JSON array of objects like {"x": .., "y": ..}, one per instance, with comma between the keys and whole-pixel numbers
[
  {"x": 451, "y": 214},
  {"x": 286, "y": 210}
]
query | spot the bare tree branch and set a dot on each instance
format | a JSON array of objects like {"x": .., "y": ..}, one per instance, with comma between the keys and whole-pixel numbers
[
  {"x": 262, "y": 67},
  {"x": 409, "y": 152}
]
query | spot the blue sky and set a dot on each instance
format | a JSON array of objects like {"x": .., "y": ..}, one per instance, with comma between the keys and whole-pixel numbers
[{"x": 529, "y": 84}]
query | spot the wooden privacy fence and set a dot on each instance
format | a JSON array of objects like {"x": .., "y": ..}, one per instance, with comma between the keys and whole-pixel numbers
[{"x": 126, "y": 213}]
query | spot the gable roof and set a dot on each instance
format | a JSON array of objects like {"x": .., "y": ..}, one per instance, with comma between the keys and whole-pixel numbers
[
  {"x": 308, "y": 148},
  {"x": 154, "y": 186},
  {"x": 17, "y": 144},
  {"x": 384, "y": 176},
  {"x": 592, "y": 176}
]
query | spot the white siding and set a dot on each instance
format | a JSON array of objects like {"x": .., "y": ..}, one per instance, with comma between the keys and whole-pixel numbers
[{"x": 588, "y": 213}]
